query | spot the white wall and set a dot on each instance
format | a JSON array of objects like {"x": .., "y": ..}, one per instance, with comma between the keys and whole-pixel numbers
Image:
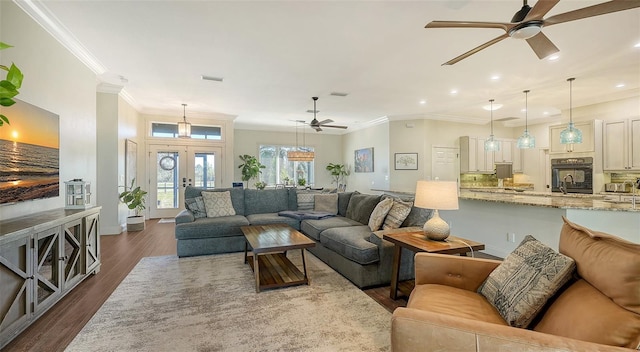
[
  {"x": 55, "y": 81},
  {"x": 376, "y": 136},
  {"x": 328, "y": 149}
]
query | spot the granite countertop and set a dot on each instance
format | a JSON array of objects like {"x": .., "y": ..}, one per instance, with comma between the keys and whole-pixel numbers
[{"x": 552, "y": 200}]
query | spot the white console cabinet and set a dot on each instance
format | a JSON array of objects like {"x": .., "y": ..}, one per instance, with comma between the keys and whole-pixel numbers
[{"x": 43, "y": 256}]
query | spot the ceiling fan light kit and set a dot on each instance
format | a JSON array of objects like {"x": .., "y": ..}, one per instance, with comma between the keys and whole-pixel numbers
[
  {"x": 528, "y": 22},
  {"x": 184, "y": 128},
  {"x": 570, "y": 135},
  {"x": 526, "y": 141},
  {"x": 300, "y": 155},
  {"x": 491, "y": 145}
]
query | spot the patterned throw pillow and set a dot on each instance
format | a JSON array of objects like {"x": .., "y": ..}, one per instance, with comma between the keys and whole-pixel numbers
[
  {"x": 218, "y": 204},
  {"x": 521, "y": 285},
  {"x": 379, "y": 213},
  {"x": 306, "y": 201},
  {"x": 326, "y": 203},
  {"x": 399, "y": 211},
  {"x": 197, "y": 207}
]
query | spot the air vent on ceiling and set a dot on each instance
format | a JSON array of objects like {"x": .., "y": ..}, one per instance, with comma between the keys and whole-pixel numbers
[
  {"x": 211, "y": 78},
  {"x": 339, "y": 94}
]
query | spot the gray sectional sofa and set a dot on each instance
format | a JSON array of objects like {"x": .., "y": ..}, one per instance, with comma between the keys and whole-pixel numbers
[{"x": 345, "y": 242}]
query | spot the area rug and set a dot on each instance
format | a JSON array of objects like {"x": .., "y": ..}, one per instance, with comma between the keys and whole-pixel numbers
[{"x": 209, "y": 303}]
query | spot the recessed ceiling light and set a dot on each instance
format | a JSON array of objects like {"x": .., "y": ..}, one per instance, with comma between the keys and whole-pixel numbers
[
  {"x": 495, "y": 78},
  {"x": 619, "y": 85},
  {"x": 523, "y": 110},
  {"x": 545, "y": 113},
  {"x": 495, "y": 107},
  {"x": 453, "y": 92},
  {"x": 637, "y": 45},
  {"x": 553, "y": 57},
  {"x": 422, "y": 102}
]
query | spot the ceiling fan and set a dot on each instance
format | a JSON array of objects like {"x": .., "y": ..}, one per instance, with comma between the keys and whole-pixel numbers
[
  {"x": 527, "y": 24},
  {"x": 317, "y": 125}
]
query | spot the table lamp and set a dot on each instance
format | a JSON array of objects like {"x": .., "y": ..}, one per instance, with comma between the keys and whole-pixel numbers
[{"x": 436, "y": 195}]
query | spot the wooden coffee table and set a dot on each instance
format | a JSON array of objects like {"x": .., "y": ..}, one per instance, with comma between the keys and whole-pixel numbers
[
  {"x": 269, "y": 246},
  {"x": 416, "y": 242}
]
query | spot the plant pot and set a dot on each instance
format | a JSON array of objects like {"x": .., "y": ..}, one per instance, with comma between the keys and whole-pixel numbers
[{"x": 135, "y": 223}]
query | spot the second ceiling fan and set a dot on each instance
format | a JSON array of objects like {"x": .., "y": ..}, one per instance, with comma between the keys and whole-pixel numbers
[
  {"x": 317, "y": 125},
  {"x": 527, "y": 24}
]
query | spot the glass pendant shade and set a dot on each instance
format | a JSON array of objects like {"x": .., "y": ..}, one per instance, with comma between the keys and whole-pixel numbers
[
  {"x": 570, "y": 135},
  {"x": 526, "y": 141},
  {"x": 184, "y": 128},
  {"x": 491, "y": 145}
]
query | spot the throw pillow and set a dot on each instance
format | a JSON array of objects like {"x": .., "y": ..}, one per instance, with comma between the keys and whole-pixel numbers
[
  {"x": 306, "y": 201},
  {"x": 379, "y": 213},
  {"x": 521, "y": 285},
  {"x": 399, "y": 211},
  {"x": 326, "y": 203},
  {"x": 361, "y": 206},
  {"x": 197, "y": 207},
  {"x": 218, "y": 204}
]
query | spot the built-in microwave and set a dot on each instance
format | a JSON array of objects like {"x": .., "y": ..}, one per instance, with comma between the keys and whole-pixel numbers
[{"x": 572, "y": 175}]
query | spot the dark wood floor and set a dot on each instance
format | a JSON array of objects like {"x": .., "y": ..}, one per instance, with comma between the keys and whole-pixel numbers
[{"x": 57, "y": 328}]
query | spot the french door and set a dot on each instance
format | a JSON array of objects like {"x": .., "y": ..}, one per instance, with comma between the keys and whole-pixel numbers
[{"x": 174, "y": 167}]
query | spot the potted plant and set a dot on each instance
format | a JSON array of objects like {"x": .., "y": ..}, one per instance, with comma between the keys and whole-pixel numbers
[
  {"x": 134, "y": 198},
  {"x": 338, "y": 172},
  {"x": 10, "y": 85},
  {"x": 251, "y": 168},
  {"x": 302, "y": 182},
  {"x": 260, "y": 185}
]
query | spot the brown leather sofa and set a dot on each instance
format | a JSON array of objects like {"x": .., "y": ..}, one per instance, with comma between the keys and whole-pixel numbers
[{"x": 599, "y": 310}]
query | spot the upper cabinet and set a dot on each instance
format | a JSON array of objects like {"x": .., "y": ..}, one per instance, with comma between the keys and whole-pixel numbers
[
  {"x": 588, "y": 144},
  {"x": 474, "y": 159},
  {"x": 621, "y": 145}
]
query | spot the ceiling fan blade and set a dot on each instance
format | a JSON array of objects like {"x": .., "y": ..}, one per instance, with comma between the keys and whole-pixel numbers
[
  {"x": 591, "y": 11},
  {"x": 469, "y": 24},
  {"x": 475, "y": 50},
  {"x": 542, "y": 45},
  {"x": 540, "y": 9},
  {"x": 318, "y": 129},
  {"x": 334, "y": 126},
  {"x": 325, "y": 121}
]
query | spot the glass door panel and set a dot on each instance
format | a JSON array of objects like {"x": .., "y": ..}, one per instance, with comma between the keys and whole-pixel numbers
[
  {"x": 72, "y": 253},
  {"x": 47, "y": 276}
]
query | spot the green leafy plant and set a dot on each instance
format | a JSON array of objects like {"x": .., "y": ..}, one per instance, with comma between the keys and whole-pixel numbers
[
  {"x": 302, "y": 182},
  {"x": 251, "y": 167},
  {"x": 338, "y": 172},
  {"x": 10, "y": 85},
  {"x": 260, "y": 185},
  {"x": 134, "y": 198}
]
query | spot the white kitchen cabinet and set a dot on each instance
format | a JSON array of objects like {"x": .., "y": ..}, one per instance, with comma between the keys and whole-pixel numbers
[
  {"x": 588, "y": 138},
  {"x": 518, "y": 159},
  {"x": 505, "y": 154},
  {"x": 621, "y": 145},
  {"x": 473, "y": 158}
]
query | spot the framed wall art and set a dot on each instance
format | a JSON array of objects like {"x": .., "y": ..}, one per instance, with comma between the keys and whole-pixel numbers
[
  {"x": 363, "y": 160},
  {"x": 406, "y": 161}
]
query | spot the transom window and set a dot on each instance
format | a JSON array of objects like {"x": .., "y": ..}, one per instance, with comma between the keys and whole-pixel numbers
[
  {"x": 279, "y": 170},
  {"x": 169, "y": 130}
]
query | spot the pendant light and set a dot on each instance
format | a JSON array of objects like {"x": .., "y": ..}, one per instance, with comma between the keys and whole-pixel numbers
[
  {"x": 570, "y": 135},
  {"x": 526, "y": 141},
  {"x": 297, "y": 154},
  {"x": 184, "y": 128},
  {"x": 491, "y": 145}
]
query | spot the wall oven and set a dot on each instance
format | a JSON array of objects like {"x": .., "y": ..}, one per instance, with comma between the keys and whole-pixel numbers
[{"x": 574, "y": 175}]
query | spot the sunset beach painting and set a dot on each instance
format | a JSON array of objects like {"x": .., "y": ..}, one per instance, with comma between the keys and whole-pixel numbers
[{"x": 29, "y": 154}]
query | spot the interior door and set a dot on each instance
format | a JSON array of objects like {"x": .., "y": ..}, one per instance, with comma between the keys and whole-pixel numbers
[
  {"x": 445, "y": 163},
  {"x": 174, "y": 167}
]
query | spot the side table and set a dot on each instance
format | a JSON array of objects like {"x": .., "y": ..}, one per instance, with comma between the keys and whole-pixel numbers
[{"x": 416, "y": 242}]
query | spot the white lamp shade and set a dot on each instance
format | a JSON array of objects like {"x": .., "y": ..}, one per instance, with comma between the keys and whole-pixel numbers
[{"x": 439, "y": 195}]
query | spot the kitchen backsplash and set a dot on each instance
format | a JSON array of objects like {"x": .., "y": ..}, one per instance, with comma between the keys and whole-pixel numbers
[
  {"x": 619, "y": 178},
  {"x": 489, "y": 181}
]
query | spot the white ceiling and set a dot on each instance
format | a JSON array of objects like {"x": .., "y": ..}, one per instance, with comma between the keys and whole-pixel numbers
[{"x": 274, "y": 56}]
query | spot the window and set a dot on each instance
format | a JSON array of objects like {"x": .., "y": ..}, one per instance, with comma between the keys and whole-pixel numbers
[
  {"x": 169, "y": 130},
  {"x": 278, "y": 169}
]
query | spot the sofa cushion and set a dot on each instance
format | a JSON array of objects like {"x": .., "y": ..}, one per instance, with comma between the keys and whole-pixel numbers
[
  {"x": 273, "y": 218},
  {"x": 397, "y": 214},
  {"x": 218, "y": 204},
  {"x": 361, "y": 206},
  {"x": 343, "y": 202},
  {"x": 197, "y": 207},
  {"x": 351, "y": 242},
  {"x": 212, "y": 227},
  {"x": 326, "y": 203},
  {"x": 455, "y": 302},
  {"x": 521, "y": 285},
  {"x": 306, "y": 200},
  {"x": 259, "y": 201},
  {"x": 582, "y": 312},
  {"x": 313, "y": 228},
  {"x": 379, "y": 213},
  {"x": 417, "y": 217}
]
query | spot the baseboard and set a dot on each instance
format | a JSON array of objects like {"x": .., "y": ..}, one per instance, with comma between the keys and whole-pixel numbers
[{"x": 112, "y": 230}]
